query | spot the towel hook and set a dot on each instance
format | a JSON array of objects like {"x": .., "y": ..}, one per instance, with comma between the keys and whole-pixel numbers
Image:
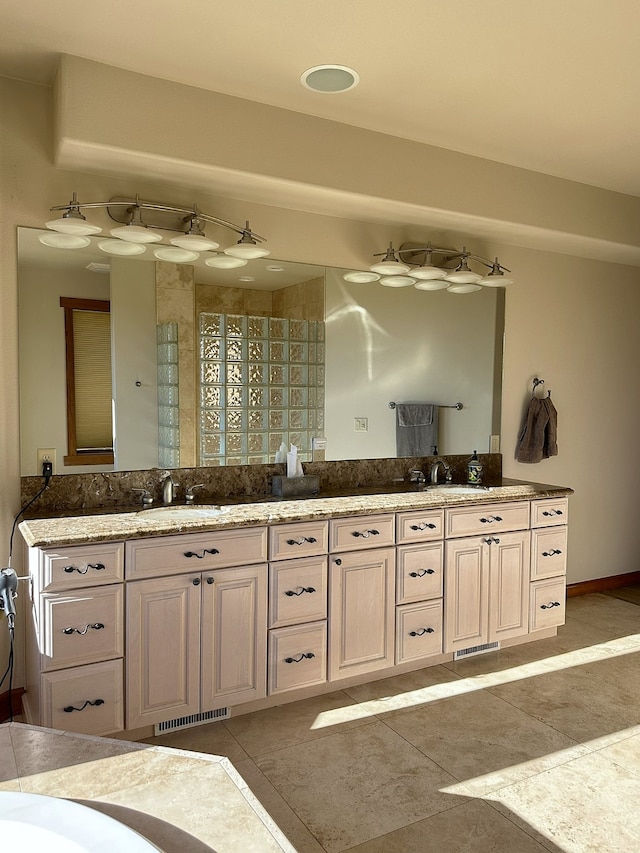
[{"x": 537, "y": 382}]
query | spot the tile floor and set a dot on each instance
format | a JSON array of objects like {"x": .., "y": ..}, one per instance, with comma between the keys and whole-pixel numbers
[{"x": 531, "y": 749}]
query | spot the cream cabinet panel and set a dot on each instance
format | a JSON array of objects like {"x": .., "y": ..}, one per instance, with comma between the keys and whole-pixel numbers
[
  {"x": 418, "y": 631},
  {"x": 361, "y": 612},
  {"x": 85, "y": 699},
  {"x": 234, "y": 636},
  {"x": 550, "y": 511},
  {"x": 466, "y": 593},
  {"x": 297, "y": 591},
  {"x": 487, "y": 519},
  {"x": 163, "y": 649},
  {"x": 548, "y": 552},
  {"x": 195, "y": 552},
  {"x": 359, "y": 532},
  {"x": 302, "y": 539},
  {"x": 82, "y": 565},
  {"x": 297, "y": 656},
  {"x": 419, "y": 572},
  {"x": 547, "y": 606},
  {"x": 419, "y": 526},
  {"x": 508, "y": 586},
  {"x": 79, "y": 628}
]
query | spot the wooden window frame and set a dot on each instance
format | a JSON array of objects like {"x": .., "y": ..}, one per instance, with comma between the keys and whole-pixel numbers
[{"x": 75, "y": 456}]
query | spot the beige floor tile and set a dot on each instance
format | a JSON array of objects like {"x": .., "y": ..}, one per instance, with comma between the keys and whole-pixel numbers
[
  {"x": 625, "y": 752},
  {"x": 404, "y": 691},
  {"x": 212, "y": 739},
  {"x": 605, "y": 612},
  {"x": 207, "y": 802},
  {"x": 626, "y": 593},
  {"x": 297, "y": 722},
  {"x": 577, "y": 703},
  {"x": 356, "y": 785},
  {"x": 278, "y": 808},
  {"x": 586, "y": 806},
  {"x": 473, "y": 827},
  {"x": 483, "y": 741}
]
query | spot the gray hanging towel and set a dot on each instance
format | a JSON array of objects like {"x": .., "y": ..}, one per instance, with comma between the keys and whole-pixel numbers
[
  {"x": 416, "y": 429},
  {"x": 538, "y": 438}
]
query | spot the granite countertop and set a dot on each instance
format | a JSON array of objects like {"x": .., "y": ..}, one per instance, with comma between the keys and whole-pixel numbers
[
  {"x": 180, "y": 801},
  {"x": 103, "y": 526}
]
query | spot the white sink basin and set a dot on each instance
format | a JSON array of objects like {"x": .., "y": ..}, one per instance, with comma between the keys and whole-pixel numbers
[
  {"x": 459, "y": 490},
  {"x": 181, "y": 513}
]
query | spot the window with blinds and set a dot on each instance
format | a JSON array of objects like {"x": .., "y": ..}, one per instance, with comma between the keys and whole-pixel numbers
[{"x": 89, "y": 400}]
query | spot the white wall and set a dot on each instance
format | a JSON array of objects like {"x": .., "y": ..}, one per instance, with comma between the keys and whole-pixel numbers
[
  {"x": 569, "y": 320},
  {"x": 385, "y": 344}
]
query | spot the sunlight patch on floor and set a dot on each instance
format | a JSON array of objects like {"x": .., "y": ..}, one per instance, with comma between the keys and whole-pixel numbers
[{"x": 459, "y": 686}]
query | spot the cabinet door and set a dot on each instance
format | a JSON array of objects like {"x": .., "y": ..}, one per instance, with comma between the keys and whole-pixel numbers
[
  {"x": 466, "y": 593},
  {"x": 163, "y": 649},
  {"x": 362, "y": 600},
  {"x": 508, "y": 585},
  {"x": 234, "y": 636}
]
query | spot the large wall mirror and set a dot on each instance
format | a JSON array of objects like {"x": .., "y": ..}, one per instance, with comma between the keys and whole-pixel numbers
[{"x": 213, "y": 366}]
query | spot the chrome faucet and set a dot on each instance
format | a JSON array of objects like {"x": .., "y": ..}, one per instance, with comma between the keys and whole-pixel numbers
[
  {"x": 435, "y": 466},
  {"x": 416, "y": 476},
  {"x": 168, "y": 489},
  {"x": 189, "y": 496}
]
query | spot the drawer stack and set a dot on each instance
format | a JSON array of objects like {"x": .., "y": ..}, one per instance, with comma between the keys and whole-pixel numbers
[{"x": 547, "y": 597}]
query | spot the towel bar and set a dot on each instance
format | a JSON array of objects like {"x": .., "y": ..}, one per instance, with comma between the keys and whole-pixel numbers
[{"x": 457, "y": 406}]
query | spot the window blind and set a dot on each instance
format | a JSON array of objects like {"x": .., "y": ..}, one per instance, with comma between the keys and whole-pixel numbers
[{"x": 92, "y": 368}]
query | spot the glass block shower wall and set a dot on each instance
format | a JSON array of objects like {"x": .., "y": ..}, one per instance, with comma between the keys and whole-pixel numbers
[
  {"x": 261, "y": 385},
  {"x": 168, "y": 396}
]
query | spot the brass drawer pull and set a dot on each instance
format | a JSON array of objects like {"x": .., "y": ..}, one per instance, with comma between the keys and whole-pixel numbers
[
  {"x": 200, "y": 556},
  {"x": 97, "y": 626},
  {"x": 421, "y": 573},
  {"x": 302, "y": 589},
  {"x": 550, "y": 605},
  {"x": 303, "y": 656},
  {"x": 302, "y": 540},
  {"x": 552, "y": 552},
  {"x": 424, "y": 525},
  {"x": 97, "y": 566},
  {"x": 93, "y": 704},
  {"x": 366, "y": 533},
  {"x": 420, "y": 632}
]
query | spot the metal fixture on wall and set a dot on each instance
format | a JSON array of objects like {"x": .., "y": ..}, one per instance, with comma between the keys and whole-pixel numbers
[
  {"x": 414, "y": 264},
  {"x": 139, "y": 224}
]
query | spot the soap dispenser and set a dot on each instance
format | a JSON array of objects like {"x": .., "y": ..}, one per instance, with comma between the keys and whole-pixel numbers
[{"x": 474, "y": 470}]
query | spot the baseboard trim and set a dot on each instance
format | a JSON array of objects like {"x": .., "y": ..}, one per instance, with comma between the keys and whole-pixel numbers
[
  {"x": 16, "y": 703},
  {"x": 603, "y": 584}
]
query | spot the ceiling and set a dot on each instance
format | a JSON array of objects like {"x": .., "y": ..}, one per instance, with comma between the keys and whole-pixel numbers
[{"x": 549, "y": 86}]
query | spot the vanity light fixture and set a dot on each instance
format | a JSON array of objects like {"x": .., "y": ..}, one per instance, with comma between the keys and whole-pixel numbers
[
  {"x": 140, "y": 223},
  {"x": 175, "y": 254},
  {"x": 225, "y": 262},
  {"x": 61, "y": 240},
  {"x": 413, "y": 264}
]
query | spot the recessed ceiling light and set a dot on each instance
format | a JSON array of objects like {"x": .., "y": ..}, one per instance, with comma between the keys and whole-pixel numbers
[
  {"x": 274, "y": 268},
  {"x": 246, "y": 278},
  {"x": 329, "y": 79}
]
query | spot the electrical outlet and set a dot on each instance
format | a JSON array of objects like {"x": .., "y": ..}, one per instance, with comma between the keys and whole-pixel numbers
[
  {"x": 46, "y": 454},
  {"x": 361, "y": 424},
  {"x": 494, "y": 444}
]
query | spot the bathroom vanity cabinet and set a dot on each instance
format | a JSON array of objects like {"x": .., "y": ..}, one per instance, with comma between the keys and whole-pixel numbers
[{"x": 147, "y": 628}]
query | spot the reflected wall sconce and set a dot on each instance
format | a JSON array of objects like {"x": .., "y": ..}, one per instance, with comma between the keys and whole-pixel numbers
[
  {"x": 138, "y": 225},
  {"x": 414, "y": 264}
]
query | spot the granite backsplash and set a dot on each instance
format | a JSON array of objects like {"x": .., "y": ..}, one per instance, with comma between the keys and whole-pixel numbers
[{"x": 114, "y": 490}]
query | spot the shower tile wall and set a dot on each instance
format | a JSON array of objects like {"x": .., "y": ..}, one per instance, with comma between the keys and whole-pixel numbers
[{"x": 261, "y": 385}]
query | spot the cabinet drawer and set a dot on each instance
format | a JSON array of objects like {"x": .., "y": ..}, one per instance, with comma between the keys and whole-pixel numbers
[
  {"x": 419, "y": 526},
  {"x": 359, "y": 532},
  {"x": 549, "y": 511},
  {"x": 297, "y": 656},
  {"x": 487, "y": 518},
  {"x": 297, "y": 591},
  {"x": 81, "y": 628},
  {"x": 419, "y": 572},
  {"x": 547, "y": 603},
  {"x": 91, "y": 694},
  {"x": 303, "y": 539},
  {"x": 82, "y": 565},
  {"x": 548, "y": 552},
  {"x": 196, "y": 552},
  {"x": 418, "y": 631}
]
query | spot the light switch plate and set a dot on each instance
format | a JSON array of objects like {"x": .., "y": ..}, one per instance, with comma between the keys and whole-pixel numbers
[
  {"x": 361, "y": 424},
  {"x": 494, "y": 444}
]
